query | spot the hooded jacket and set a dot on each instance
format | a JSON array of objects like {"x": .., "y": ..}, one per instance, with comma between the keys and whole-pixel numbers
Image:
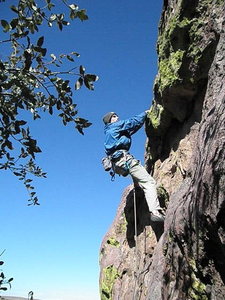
[{"x": 118, "y": 134}]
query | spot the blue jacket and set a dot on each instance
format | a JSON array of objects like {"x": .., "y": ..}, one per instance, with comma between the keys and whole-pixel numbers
[{"x": 118, "y": 134}]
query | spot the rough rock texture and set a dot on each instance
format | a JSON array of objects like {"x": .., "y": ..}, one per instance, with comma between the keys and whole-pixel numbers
[
  {"x": 185, "y": 152},
  {"x": 120, "y": 260}
]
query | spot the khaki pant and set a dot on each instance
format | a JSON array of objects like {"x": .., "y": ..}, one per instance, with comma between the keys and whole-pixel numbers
[{"x": 127, "y": 164}]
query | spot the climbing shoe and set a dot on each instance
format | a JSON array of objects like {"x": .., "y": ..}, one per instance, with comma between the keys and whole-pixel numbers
[{"x": 157, "y": 216}]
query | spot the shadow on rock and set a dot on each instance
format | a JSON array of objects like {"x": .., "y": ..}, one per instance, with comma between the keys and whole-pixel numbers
[{"x": 143, "y": 216}]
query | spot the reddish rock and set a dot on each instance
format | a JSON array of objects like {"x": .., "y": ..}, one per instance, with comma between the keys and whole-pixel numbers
[{"x": 186, "y": 154}]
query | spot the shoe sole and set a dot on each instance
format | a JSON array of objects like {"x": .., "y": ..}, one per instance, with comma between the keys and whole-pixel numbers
[{"x": 156, "y": 219}]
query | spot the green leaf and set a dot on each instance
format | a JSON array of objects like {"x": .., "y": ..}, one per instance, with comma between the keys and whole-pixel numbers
[
  {"x": 91, "y": 77},
  {"x": 14, "y": 8},
  {"x": 24, "y": 133},
  {"x": 65, "y": 23},
  {"x": 82, "y": 70},
  {"x": 83, "y": 122},
  {"x": 5, "y": 25},
  {"x": 60, "y": 26},
  {"x": 2, "y": 66},
  {"x": 79, "y": 83},
  {"x": 50, "y": 5},
  {"x": 28, "y": 180},
  {"x": 53, "y": 56},
  {"x": 69, "y": 58},
  {"x": 73, "y": 14},
  {"x": 43, "y": 51},
  {"x": 40, "y": 41},
  {"x": 50, "y": 110},
  {"x": 75, "y": 53},
  {"x": 14, "y": 23},
  {"x": 53, "y": 18},
  {"x": 61, "y": 17},
  {"x": 73, "y": 6},
  {"x": 80, "y": 129},
  {"x": 5, "y": 119},
  {"x": 21, "y": 122},
  {"x": 82, "y": 15},
  {"x": 17, "y": 174},
  {"x": 59, "y": 105},
  {"x": 88, "y": 84}
]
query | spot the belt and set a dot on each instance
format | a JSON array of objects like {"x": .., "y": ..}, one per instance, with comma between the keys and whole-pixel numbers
[{"x": 120, "y": 154}]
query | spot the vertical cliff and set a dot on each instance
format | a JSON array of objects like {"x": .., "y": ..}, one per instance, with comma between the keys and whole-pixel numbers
[{"x": 185, "y": 152}]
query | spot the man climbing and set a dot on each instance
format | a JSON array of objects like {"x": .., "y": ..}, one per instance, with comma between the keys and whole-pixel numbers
[{"x": 117, "y": 144}]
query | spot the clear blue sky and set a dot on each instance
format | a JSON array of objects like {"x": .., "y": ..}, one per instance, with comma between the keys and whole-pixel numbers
[{"x": 53, "y": 249}]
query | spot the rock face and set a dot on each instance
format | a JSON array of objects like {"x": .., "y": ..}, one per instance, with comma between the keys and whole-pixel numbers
[{"x": 185, "y": 152}]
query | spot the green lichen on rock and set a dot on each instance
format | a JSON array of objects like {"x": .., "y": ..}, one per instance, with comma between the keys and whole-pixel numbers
[
  {"x": 180, "y": 47},
  {"x": 169, "y": 70},
  {"x": 197, "y": 290},
  {"x": 204, "y": 4},
  {"x": 110, "y": 274},
  {"x": 113, "y": 242},
  {"x": 122, "y": 225},
  {"x": 159, "y": 119},
  {"x": 164, "y": 44},
  {"x": 196, "y": 32},
  {"x": 163, "y": 196},
  {"x": 198, "y": 24},
  {"x": 155, "y": 115},
  {"x": 170, "y": 57}
]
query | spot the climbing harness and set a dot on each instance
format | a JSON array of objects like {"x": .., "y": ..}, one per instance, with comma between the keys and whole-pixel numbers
[{"x": 112, "y": 174}]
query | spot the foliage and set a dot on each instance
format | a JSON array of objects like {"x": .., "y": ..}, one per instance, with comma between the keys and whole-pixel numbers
[
  {"x": 30, "y": 295},
  {"x": 3, "y": 281},
  {"x": 31, "y": 81}
]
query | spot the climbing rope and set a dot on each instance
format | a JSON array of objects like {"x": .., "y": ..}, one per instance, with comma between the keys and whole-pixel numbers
[
  {"x": 135, "y": 220},
  {"x": 136, "y": 241}
]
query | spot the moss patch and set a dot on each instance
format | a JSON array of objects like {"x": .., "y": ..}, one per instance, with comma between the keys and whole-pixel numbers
[
  {"x": 208, "y": 3},
  {"x": 168, "y": 70},
  {"x": 113, "y": 242},
  {"x": 155, "y": 115},
  {"x": 159, "y": 118},
  {"x": 180, "y": 44},
  {"x": 163, "y": 196},
  {"x": 165, "y": 46},
  {"x": 196, "y": 33},
  {"x": 197, "y": 290},
  {"x": 110, "y": 274},
  {"x": 122, "y": 226}
]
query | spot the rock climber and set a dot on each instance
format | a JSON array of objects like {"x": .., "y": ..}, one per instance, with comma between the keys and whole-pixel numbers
[{"x": 117, "y": 144}]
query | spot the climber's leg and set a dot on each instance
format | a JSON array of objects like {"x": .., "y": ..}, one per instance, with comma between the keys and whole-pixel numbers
[{"x": 146, "y": 182}]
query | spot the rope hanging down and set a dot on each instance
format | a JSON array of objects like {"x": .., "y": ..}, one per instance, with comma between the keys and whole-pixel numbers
[
  {"x": 135, "y": 220},
  {"x": 136, "y": 241}
]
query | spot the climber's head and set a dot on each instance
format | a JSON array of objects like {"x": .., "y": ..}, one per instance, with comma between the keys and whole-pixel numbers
[{"x": 110, "y": 117}]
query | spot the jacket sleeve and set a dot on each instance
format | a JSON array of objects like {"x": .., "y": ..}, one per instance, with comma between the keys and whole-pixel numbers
[{"x": 133, "y": 124}]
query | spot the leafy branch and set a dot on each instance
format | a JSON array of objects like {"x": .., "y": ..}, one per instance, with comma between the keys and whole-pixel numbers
[
  {"x": 3, "y": 281},
  {"x": 31, "y": 81}
]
